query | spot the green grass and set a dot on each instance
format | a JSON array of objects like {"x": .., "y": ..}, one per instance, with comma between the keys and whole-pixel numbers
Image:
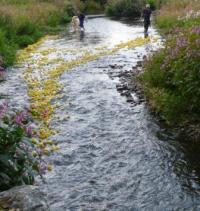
[{"x": 94, "y": 7}]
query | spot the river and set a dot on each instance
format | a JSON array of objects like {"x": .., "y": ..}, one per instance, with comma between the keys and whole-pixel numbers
[{"x": 114, "y": 155}]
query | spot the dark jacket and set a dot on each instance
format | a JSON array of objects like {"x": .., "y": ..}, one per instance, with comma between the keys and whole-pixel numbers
[
  {"x": 146, "y": 15},
  {"x": 81, "y": 19}
]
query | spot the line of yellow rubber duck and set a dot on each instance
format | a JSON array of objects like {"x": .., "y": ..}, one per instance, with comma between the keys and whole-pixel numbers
[{"x": 44, "y": 86}]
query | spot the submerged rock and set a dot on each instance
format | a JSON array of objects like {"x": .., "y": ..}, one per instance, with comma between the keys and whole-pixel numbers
[{"x": 24, "y": 198}]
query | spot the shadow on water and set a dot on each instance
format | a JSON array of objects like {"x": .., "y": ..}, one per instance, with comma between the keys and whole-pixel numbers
[
  {"x": 192, "y": 154},
  {"x": 189, "y": 164},
  {"x": 82, "y": 35}
]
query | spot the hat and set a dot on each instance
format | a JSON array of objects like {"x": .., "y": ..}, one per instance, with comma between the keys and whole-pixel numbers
[{"x": 147, "y": 5}]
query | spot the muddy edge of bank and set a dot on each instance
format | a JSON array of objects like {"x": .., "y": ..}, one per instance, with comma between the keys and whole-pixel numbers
[{"x": 130, "y": 85}]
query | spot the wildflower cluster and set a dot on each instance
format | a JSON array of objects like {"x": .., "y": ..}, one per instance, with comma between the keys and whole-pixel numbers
[
  {"x": 190, "y": 15},
  {"x": 20, "y": 158},
  {"x": 172, "y": 77},
  {"x": 178, "y": 13}
]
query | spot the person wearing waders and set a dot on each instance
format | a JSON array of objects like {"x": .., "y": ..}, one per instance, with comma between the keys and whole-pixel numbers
[
  {"x": 81, "y": 18},
  {"x": 146, "y": 15}
]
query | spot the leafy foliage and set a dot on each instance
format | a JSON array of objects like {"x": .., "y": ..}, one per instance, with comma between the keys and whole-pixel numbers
[
  {"x": 124, "y": 8},
  {"x": 20, "y": 158},
  {"x": 128, "y": 8}
]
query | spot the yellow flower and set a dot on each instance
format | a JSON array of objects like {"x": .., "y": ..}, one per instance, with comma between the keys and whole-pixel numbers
[
  {"x": 55, "y": 148},
  {"x": 46, "y": 151},
  {"x": 45, "y": 133},
  {"x": 34, "y": 140},
  {"x": 34, "y": 153},
  {"x": 48, "y": 142},
  {"x": 49, "y": 168},
  {"x": 41, "y": 145}
]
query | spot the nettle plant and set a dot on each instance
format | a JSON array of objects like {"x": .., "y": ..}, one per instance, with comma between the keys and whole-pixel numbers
[{"x": 20, "y": 158}]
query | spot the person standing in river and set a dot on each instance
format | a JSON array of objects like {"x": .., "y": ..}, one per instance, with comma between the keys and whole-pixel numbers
[{"x": 147, "y": 19}]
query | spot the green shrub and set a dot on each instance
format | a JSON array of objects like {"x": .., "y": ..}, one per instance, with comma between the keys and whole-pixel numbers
[
  {"x": 65, "y": 19},
  {"x": 7, "y": 49},
  {"x": 124, "y": 8},
  {"x": 153, "y": 4},
  {"x": 53, "y": 20},
  {"x": 93, "y": 7},
  {"x": 26, "y": 33}
]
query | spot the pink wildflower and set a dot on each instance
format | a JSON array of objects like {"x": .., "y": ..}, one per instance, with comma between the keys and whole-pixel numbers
[
  {"x": 20, "y": 118},
  {"x": 3, "y": 109},
  {"x": 30, "y": 131},
  {"x": 182, "y": 42},
  {"x": 43, "y": 168}
]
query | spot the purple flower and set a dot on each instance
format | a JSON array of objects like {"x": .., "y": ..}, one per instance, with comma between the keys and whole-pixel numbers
[
  {"x": 43, "y": 168},
  {"x": 176, "y": 30},
  {"x": 20, "y": 118},
  {"x": 196, "y": 30},
  {"x": 3, "y": 109},
  {"x": 2, "y": 69},
  {"x": 197, "y": 42},
  {"x": 182, "y": 42},
  {"x": 29, "y": 131},
  {"x": 173, "y": 53},
  {"x": 39, "y": 151}
]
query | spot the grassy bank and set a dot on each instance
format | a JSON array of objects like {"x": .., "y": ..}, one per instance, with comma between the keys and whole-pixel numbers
[
  {"x": 23, "y": 22},
  {"x": 177, "y": 13},
  {"x": 172, "y": 78}
]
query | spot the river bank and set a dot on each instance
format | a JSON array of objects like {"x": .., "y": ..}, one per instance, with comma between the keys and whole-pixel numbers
[{"x": 170, "y": 76}]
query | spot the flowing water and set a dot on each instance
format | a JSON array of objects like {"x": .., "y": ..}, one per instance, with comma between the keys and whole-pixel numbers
[{"x": 113, "y": 154}]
